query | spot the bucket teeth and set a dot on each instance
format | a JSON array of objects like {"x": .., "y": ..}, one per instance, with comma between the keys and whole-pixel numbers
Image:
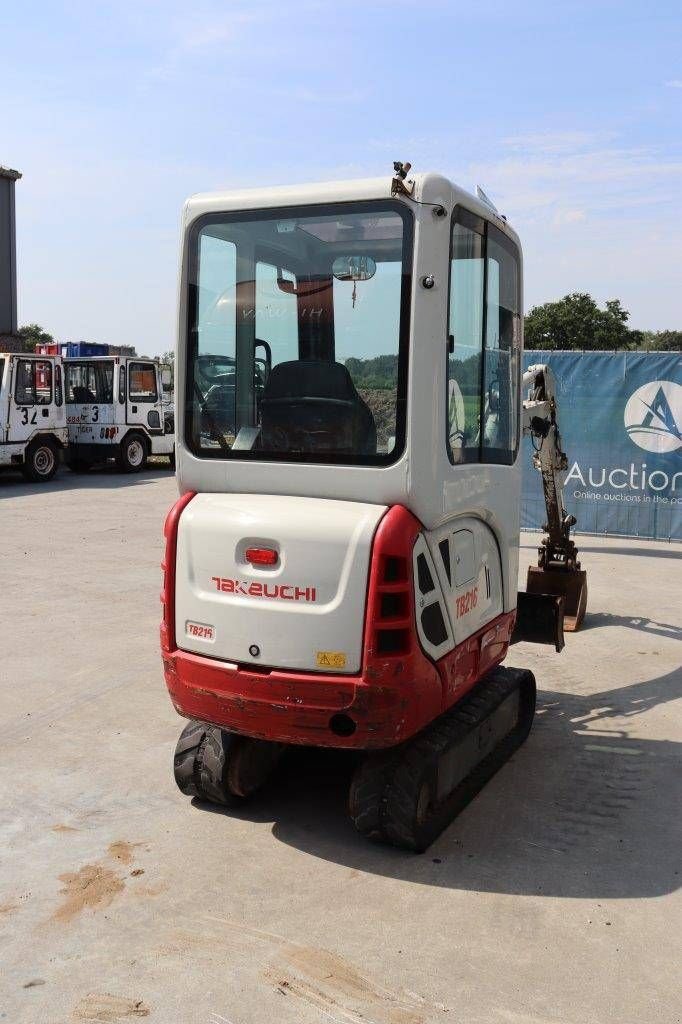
[{"x": 408, "y": 796}]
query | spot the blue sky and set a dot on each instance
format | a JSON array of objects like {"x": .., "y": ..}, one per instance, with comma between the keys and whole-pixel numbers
[{"x": 570, "y": 116}]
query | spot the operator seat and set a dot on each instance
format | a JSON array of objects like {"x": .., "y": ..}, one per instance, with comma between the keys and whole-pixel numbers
[
  {"x": 83, "y": 395},
  {"x": 311, "y": 405}
]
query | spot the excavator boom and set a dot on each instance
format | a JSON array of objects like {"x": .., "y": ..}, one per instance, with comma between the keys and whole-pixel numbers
[{"x": 558, "y": 571}]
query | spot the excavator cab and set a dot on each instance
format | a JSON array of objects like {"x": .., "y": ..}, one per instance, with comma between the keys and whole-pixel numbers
[{"x": 341, "y": 566}]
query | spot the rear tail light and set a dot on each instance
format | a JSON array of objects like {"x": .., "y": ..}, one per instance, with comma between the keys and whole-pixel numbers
[
  {"x": 261, "y": 556},
  {"x": 170, "y": 533},
  {"x": 390, "y": 619}
]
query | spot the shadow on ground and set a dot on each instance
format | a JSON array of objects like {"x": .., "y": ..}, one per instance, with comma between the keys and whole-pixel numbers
[
  {"x": 574, "y": 814},
  {"x": 595, "y": 620},
  {"x": 12, "y": 483},
  {"x": 673, "y": 551}
]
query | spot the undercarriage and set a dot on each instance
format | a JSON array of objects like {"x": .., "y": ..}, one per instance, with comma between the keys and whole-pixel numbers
[{"x": 404, "y": 796}]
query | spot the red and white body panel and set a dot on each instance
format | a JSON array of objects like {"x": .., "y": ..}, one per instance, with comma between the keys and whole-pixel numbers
[
  {"x": 332, "y": 646},
  {"x": 294, "y": 612}
]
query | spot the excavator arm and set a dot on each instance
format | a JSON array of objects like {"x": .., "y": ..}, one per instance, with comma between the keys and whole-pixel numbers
[{"x": 556, "y": 590}]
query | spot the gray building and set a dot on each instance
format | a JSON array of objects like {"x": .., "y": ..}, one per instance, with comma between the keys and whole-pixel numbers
[{"x": 8, "y": 260}]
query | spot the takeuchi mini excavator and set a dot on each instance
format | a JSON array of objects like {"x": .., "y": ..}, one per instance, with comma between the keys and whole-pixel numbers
[{"x": 341, "y": 567}]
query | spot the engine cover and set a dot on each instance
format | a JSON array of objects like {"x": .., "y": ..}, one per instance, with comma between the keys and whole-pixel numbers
[{"x": 306, "y": 611}]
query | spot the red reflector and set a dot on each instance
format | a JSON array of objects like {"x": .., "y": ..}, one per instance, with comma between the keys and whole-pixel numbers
[{"x": 261, "y": 556}]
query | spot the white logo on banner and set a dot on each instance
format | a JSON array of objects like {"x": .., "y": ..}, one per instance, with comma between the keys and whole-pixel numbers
[{"x": 652, "y": 415}]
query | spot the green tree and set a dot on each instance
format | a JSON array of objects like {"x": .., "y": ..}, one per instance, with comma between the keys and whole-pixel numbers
[
  {"x": 168, "y": 359},
  {"x": 381, "y": 372},
  {"x": 662, "y": 341},
  {"x": 577, "y": 322},
  {"x": 32, "y": 335}
]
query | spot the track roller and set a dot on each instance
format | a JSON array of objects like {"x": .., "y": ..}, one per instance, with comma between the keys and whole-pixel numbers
[
  {"x": 221, "y": 767},
  {"x": 407, "y": 796}
]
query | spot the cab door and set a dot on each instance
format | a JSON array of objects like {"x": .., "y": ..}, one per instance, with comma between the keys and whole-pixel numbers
[
  {"x": 89, "y": 386},
  {"x": 143, "y": 399},
  {"x": 31, "y": 398}
]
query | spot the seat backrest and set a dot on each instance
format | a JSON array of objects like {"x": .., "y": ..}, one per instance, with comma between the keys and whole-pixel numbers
[
  {"x": 311, "y": 405},
  {"x": 82, "y": 395}
]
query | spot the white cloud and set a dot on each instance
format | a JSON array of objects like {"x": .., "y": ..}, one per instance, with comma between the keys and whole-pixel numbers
[
  {"x": 207, "y": 31},
  {"x": 562, "y": 217},
  {"x": 594, "y": 214},
  {"x": 557, "y": 141},
  {"x": 549, "y": 177}
]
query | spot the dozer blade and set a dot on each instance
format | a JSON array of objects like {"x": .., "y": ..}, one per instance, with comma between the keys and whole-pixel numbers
[{"x": 571, "y": 584}]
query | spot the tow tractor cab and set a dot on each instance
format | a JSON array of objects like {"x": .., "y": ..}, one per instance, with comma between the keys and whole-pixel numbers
[
  {"x": 117, "y": 407},
  {"x": 33, "y": 432},
  {"x": 341, "y": 568}
]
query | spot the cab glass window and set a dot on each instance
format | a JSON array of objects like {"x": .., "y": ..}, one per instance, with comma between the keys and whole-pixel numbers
[
  {"x": 467, "y": 269},
  {"x": 58, "y": 389},
  {"x": 502, "y": 344},
  {"x": 34, "y": 382},
  {"x": 89, "y": 383},
  {"x": 485, "y": 343},
  {"x": 142, "y": 382},
  {"x": 106, "y": 382},
  {"x": 276, "y": 314},
  {"x": 297, "y": 341}
]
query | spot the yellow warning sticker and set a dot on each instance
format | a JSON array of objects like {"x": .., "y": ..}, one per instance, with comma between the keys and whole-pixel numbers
[{"x": 331, "y": 659}]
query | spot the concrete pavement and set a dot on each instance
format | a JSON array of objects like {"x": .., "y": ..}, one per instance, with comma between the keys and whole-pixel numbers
[{"x": 552, "y": 898}]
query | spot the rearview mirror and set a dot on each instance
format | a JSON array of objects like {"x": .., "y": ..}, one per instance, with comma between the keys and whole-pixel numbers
[{"x": 354, "y": 268}]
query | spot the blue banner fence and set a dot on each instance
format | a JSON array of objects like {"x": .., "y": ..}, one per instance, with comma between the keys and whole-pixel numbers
[{"x": 620, "y": 417}]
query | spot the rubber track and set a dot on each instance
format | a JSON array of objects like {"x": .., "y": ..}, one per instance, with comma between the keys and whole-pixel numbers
[
  {"x": 386, "y": 789},
  {"x": 212, "y": 765},
  {"x": 185, "y": 760}
]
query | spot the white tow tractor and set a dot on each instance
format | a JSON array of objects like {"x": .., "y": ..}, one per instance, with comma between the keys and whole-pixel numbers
[
  {"x": 117, "y": 408},
  {"x": 33, "y": 431},
  {"x": 341, "y": 567}
]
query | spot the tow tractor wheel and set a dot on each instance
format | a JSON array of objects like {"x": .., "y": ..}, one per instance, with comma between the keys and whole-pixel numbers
[
  {"x": 408, "y": 796},
  {"x": 132, "y": 455},
  {"x": 41, "y": 460},
  {"x": 221, "y": 767}
]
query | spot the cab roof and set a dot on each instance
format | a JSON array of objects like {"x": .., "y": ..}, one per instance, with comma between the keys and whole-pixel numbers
[{"x": 428, "y": 188}]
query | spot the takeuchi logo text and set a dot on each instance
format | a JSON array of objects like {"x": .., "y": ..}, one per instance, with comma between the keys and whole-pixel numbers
[{"x": 274, "y": 591}]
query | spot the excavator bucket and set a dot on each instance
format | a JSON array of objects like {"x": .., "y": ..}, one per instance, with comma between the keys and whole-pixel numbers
[
  {"x": 539, "y": 619},
  {"x": 571, "y": 584}
]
